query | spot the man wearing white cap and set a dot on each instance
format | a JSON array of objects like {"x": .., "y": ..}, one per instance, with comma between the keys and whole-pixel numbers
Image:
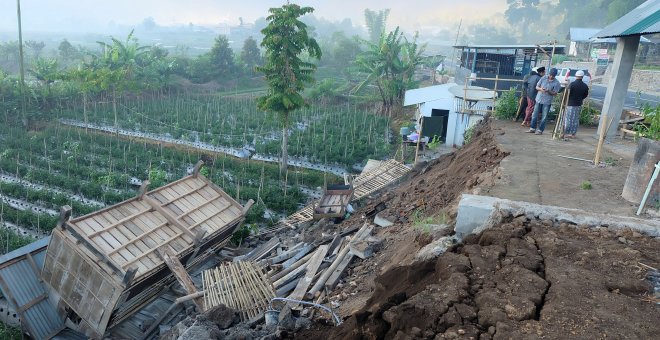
[{"x": 577, "y": 92}]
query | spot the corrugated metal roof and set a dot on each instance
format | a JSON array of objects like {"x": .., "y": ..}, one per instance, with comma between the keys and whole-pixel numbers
[
  {"x": 20, "y": 282},
  {"x": 427, "y": 94},
  {"x": 510, "y": 49},
  {"x": 644, "y": 19},
  {"x": 582, "y": 33}
]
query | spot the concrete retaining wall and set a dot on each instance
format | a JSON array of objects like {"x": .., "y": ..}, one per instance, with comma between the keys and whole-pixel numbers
[{"x": 477, "y": 213}]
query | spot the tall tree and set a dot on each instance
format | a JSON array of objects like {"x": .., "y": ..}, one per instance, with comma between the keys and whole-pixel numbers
[
  {"x": 376, "y": 22},
  {"x": 250, "y": 54},
  {"x": 222, "y": 58},
  {"x": 521, "y": 13},
  {"x": 67, "y": 52},
  {"x": 287, "y": 42}
]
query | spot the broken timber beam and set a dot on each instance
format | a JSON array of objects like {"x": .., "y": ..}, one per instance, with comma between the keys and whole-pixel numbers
[
  {"x": 305, "y": 249},
  {"x": 320, "y": 283},
  {"x": 292, "y": 268},
  {"x": 312, "y": 268},
  {"x": 285, "y": 255},
  {"x": 182, "y": 276}
]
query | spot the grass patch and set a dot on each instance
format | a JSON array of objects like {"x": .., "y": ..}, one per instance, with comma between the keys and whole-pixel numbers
[
  {"x": 424, "y": 223},
  {"x": 586, "y": 185},
  {"x": 611, "y": 161}
]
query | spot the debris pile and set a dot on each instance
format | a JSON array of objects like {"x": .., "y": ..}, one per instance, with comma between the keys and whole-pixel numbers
[{"x": 308, "y": 271}]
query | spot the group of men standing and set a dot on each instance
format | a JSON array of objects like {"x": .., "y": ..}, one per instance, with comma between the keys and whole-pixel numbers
[{"x": 540, "y": 90}]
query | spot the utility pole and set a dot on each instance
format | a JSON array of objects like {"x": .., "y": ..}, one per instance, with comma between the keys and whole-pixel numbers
[
  {"x": 552, "y": 55},
  {"x": 22, "y": 69}
]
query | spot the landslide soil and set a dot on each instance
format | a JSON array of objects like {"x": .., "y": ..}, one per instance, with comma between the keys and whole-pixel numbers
[
  {"x": 524, "y": 279},
  {"x": 431, "y": 190}
]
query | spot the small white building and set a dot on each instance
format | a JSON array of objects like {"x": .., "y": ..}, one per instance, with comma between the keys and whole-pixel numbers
[{"x": 447, "y": 114}]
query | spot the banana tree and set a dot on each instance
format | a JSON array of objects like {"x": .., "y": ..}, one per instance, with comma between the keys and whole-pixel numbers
[
  {"x": 389, "y": 65},
  {"x": 47, "y": 72},
  {"x": 118, "y": 66}
]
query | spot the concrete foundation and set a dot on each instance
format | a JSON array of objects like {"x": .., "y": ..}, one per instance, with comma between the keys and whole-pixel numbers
[
  {"x": 640, "y": 172},
  {"x": 477, "y": 213},
  {"x": 617, "y": 89}
]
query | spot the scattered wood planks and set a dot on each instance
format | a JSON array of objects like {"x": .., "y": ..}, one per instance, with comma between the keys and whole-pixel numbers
[
  {"x": 240, "y": 285},
  {"x": 313, "y": 273}
]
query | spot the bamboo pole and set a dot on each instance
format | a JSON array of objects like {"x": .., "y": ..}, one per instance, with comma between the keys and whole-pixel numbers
[
  {"x": 559, "y": 128},
  {"x": 601, "y": 138},
  {"x": 419, "y": 138}
]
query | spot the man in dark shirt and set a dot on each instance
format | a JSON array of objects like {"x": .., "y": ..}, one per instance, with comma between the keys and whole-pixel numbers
[
  {"x": 577, "y": 92},
  {"x": 534, "y": 78}
]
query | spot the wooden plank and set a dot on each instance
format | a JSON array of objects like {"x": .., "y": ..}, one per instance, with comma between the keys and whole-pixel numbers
[
  {"x": 168, "y": 215},
  {"x": 334, "y": 277},
  {"x": 190, "y": 192},
  {"x": 207, "y": 218},
  {"x": 31, "y": 303},
  {"x": 128, "y": 263},
  {"x": 121, "y": 221},
  {"x": 306, "y": 281},
  {"x": 138, "y": 238},
  {"x": 182, "y": 276}
]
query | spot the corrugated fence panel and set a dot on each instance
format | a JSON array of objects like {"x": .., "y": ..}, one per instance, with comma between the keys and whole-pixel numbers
[{"x": 21, "y": 283}]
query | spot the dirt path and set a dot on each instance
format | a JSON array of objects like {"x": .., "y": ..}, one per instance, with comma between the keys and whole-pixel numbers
[{"x": 534, "y": 173}]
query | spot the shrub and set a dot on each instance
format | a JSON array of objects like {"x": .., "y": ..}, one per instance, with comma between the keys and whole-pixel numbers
[
  {"x": 587, "y": 115},
  {"x": 586, "y": 185},
  {"x": 467, "y": 136},
  {"x": 650, "y": 128},
  {"x": 506, "y": 105}
]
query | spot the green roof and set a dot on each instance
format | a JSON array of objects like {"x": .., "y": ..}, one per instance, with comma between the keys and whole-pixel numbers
[{"x": 642, "y": 20}]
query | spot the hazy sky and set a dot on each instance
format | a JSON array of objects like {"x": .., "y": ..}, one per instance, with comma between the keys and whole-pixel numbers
[{"x": 95, "y": 16}]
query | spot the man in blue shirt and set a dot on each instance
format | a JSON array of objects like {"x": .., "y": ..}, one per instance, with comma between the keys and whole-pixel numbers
[{"x": 548, "y": 87}]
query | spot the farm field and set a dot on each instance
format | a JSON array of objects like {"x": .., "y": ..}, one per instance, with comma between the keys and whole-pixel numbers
[
  {"x": 42, "y": 170},
  {"x": 325, "y": 133}
]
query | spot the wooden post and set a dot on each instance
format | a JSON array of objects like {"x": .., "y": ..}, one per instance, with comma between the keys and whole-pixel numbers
[
  {"x": 421, "y": 128},
  {"x": 601, "y": 138},
  {"x": 497, "y": 78},
  {"x": 197, "y": 167},
  {"x": 182, "y": 276},
  {"x": 143, "y": 189},
  {"x": 561, "y": 115},
  {"x": 65, "y": 215}
]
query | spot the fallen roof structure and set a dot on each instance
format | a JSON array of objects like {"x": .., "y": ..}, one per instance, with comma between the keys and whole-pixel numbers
[
  {"x": 106, "y": 265},
  {"x": 368, "y": 182}
]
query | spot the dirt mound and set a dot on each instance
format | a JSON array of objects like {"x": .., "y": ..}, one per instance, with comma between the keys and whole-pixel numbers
[
  {"x": 439, "y": 183},
  {"x": 521, "y": 280}
]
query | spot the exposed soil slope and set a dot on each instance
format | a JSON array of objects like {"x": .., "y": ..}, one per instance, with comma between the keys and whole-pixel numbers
[{"x": 521, "y": 280}]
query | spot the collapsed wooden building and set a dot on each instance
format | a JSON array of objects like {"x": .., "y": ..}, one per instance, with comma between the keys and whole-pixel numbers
[{"x": 104, "y": 266}]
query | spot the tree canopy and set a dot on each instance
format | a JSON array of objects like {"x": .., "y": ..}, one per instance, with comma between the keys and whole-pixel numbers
[
  {"x": 376, "y": 23},
  {"x": 287, "y": 68}
]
